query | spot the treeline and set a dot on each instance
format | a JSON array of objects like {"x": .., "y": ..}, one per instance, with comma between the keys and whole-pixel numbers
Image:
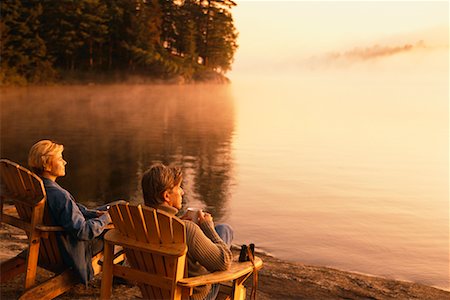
[{"x": 47, "y": 41}]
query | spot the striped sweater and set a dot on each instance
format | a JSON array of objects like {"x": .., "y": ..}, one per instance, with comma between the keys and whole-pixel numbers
[{"x": 206, "y": 251}]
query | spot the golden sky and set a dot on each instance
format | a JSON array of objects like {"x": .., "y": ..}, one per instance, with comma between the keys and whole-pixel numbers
[{"x": 282, "y": 35}]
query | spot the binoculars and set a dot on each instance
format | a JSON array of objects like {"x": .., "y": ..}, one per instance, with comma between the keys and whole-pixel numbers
[{"x": 245, "y": 251}]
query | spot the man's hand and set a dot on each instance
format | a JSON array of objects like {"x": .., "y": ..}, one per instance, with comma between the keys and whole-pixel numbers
[{"x": 204, "y": 217}]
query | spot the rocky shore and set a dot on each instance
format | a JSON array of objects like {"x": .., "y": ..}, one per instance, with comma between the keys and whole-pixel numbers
[{"x": 277, "y": 280}]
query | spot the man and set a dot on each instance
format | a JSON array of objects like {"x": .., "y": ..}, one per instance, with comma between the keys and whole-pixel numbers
[{"x": 208, "y": 245}]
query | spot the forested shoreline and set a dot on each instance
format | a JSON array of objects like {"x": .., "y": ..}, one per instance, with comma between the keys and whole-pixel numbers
[{"x": 68, "y": 41}]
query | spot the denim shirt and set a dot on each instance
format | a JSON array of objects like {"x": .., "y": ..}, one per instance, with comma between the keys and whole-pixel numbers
[{"x": 82, "y": 226}]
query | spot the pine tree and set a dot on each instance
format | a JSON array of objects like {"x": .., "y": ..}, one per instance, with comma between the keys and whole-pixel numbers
[
  {"x": 23, "y": 51},
  {"x": 93, "y": 28},
  {"x": 219, "y": 35}
]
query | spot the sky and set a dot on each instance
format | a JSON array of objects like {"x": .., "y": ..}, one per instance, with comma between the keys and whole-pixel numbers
[{"x": 283, "y": 35}]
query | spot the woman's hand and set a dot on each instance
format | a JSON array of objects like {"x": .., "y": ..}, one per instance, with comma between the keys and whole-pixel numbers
[{"x": 101, "y": 212}]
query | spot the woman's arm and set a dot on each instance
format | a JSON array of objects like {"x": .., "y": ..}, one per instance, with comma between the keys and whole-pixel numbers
[{"x": 67, "y": 214}]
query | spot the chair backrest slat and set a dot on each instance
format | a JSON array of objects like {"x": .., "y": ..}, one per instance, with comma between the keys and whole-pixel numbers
[
  {"x": 165, "y": 227},
  {"x": 147, "y": 259},
  {"x": 151, "y": 222},
  {"x": 26, "y": 190},
  {"x": 155, "y": 262},
  {"x": 145, "y": 224},
  {"x": 123, "y": 220}
]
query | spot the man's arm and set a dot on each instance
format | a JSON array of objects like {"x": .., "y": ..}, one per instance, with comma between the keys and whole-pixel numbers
[{"x": 206, "y": 247}]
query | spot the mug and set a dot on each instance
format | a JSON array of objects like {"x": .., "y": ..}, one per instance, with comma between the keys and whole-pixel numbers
[{"x": 193, "y": 214}]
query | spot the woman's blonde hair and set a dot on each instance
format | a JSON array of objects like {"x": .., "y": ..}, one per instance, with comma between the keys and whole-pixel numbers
[{"x": 40, "y": 154}]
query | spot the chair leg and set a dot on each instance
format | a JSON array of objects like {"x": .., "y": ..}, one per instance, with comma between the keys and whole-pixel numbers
[
  {"x": 239, "y": 291},
  {"x": 11, "y": 268},
  {"x": 107, "y": 276},
  {"x": 53, "y": 287},
  {"x": 32, "y": 261}
]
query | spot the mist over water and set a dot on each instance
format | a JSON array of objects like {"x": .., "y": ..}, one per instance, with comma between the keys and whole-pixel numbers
[
  {"x": 351, "y": 164},
  {"x": 112, "y": 134},
  {"x": 339, "y": 166}
]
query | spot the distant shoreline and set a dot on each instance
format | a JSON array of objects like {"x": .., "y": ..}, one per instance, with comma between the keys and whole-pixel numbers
[
  {"x": 119, "y": 77},
  {"x": 297, "y": 281}
]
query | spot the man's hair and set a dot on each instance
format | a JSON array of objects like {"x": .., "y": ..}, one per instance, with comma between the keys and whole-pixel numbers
[
  {"x": 40, "y": 155},
  {"x": 158, "y": 179}
]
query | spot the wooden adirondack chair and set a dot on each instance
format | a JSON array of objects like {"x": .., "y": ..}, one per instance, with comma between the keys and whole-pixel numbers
[
  {"x": 26, "y": 190},
  {"x": 155, "y": 245}
]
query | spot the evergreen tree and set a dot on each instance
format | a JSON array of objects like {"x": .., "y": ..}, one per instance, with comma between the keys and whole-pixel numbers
[
  {"x": 23, "y": 52},
  {"x": 221, "y": 40},
  {"x": 143, "y": 33},
  {"x": 60, "y": 29},
  {"x": 117, "y": 22},
  {"x": 93, "y": 28},
  {"x": 158, "y": 38},
  {"x": 218, "y": 34}
]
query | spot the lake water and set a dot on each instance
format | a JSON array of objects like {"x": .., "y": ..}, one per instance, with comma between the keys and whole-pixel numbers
[{"x": 343, "y": 168}]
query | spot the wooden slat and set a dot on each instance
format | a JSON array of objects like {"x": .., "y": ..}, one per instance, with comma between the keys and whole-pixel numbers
[
  {"x": 127, "y": 222},
  {"x": 153, "y": 236},
  {"x": 53, "y": 287},
  {"x": 141, "y": 234},
  {"x": 53, "y": 244},
  {"x": 11, "y": 268},
  {"x": 151, "y": 223},
  {"x": 6, "y": 172},
  {"x": 127, "y": 228},
  {"x": 237, "y": 270},
  {"x": 50, "y": 228},
  {"x": 16, "y": 222},
  {"x": 26, "y": 190},
  {"x": 116, "y": 217},
  {"x": 179, "y": 231},
  {"x": 107, "y": 276},
  {"x": 136, "y": 222},
  {"x": 34, "y": 245},
  {"x": 45, "y": 254},
  {"x": 165, "y": 227},
  {"x": 144, "y": 277},
  {"x": 178, "y": 236},
  {"x": 23, "y": 184},
  {"x": 164, "y": 236}
]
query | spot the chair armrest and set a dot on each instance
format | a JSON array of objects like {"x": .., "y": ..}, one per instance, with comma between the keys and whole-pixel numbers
[
  {"x": 16, "y": 222},
  {"x": 237, "y": 270},
  {"x": 49, "y": 228}
]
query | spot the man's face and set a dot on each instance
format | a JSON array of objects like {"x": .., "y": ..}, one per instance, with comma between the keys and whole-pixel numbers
[{"x": 175, "y": 196}]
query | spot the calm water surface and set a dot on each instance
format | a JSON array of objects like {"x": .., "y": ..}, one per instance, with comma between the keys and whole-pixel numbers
[{"x": 350, "y": 174}]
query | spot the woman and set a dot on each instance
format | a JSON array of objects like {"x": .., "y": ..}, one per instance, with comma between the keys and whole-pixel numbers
[
  {"x": 208, "y": 245},
  {"x": 84, "y": 228}
]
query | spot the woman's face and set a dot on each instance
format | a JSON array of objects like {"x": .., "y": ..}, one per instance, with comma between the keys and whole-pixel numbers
[{"x": 57, "y": 166}]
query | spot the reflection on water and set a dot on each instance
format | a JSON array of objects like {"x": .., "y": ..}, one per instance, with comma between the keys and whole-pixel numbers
[
  {"x": 347, "y": 169},
  {"x": 112, "y": 134}
]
